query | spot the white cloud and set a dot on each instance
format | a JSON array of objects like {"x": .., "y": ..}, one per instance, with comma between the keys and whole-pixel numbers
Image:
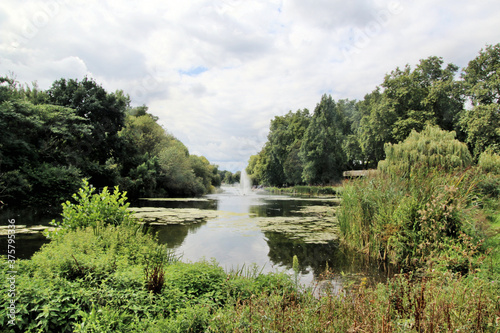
[{"x": 216, "y": 73}]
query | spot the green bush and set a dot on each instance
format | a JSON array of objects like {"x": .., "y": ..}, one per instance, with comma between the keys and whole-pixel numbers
[
  {"x": 201, "y": 280},
  {"x": 489, "y": 161},
  {"x": 93, "y": 209},
  {"x": 83, "y": 254}
]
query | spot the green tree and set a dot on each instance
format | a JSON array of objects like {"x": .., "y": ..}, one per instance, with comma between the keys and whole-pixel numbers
[
  {"x": 145, "y": 134},
  {"x": 205, "y": 172},
  {"x": 428, "y": 94},
  {"x": 375, "y": 127},
  {"x": 482, "y": 78},
  {"x": 177, "y": 176},
  {"x": 409, "y": 100},
  {"x": 322, "y": 147},
  {"x": 39, "y": 161},
  {"x": 284, "y": 141},
  {"x": 105, "y": 113},
  {"x": 482, "y": 81}
]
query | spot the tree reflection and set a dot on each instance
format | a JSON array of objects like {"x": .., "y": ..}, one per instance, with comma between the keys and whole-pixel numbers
[
  {"x": 174, "y": 234},
  {"x": 315, "y": 257}
]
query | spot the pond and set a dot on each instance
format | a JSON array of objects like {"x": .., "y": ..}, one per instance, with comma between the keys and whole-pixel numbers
[
  {"x": 242, "y": 229},
  {"x": 266, "y": 230}
]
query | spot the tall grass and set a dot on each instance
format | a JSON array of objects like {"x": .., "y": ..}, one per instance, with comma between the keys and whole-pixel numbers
[
  {"x": 306, "y": 190},
  {"x": 408, "y": 220},
  {"x": 435, "y": 303}
]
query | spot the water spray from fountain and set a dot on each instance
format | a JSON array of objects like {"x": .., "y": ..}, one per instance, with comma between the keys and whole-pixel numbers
[{"x": 245, "y": 183}]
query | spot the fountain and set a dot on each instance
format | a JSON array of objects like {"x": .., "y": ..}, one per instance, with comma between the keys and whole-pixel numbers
[{"x": 245, "y": 183}]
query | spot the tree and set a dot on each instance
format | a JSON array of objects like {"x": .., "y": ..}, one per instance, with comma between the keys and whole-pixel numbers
[
  {"x": 482, "y": 76},
  {"x": 482, "y": 126},
  {"x": 322, "y": 147},
  {"x": 409, "y": 100},
  {"x": 145, "y": 134},
  {"x": 432, "y": 148},
  {"x": 482, "y": 81},
  {"x": 375, "y": 127},
  {"x": 284, "y": 141},
  {"x": 104, "y": 111},
  {"x": 429, "y": 94},
  {"x": 39, "y": 160}
]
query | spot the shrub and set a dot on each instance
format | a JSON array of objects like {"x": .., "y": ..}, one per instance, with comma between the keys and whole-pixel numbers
[
  {"x": 94, "y": 210},
  {"x": 489, "y": 161},
  {"x": 83, "y": 254},
  {"x": 197, "y": 280}
]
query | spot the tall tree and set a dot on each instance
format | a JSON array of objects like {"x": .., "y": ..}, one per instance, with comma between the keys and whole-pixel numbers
[
  {"x": 429, "y": 94},
  {"x": 322, "y": 147},
  {"x": 482, "y": 82},
  {"x": 408, "y": 100},
  {"x": 38, "y": 149},
  {"x": 285, "y": 138},
  {"x": 105, "y": 112}
]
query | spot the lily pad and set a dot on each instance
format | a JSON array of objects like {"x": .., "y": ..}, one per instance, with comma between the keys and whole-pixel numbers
[
  {"x": 26, "y": 230},
  {"x": 165, "y": 216}
]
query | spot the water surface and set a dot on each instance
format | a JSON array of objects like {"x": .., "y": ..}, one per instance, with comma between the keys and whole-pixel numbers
[{"x": 235, "y": 240}]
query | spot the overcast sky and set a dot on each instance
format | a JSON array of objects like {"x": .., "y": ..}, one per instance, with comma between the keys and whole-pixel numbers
[{"x": 216, "y": 72}]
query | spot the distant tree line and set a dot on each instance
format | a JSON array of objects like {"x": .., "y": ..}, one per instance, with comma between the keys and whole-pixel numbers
[
  {"x": 305, "y": 148},
  {"x": 50, "y": 140},
  {"x": 228, "y": 177}
]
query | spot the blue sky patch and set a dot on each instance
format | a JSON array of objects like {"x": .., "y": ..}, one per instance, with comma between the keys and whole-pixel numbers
[{"x": 193, "y": 71}]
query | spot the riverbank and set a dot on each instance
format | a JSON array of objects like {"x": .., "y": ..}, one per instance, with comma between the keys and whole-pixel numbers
[{"x": 303, "y": 190}]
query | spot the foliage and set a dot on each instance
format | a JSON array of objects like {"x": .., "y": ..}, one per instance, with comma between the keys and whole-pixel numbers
[
  {"x": 37, "y": 151},
  {"x": 321, "y": 149},
  {"x": 482, "y": 125},
  {"x": 279, "y": 162},
  {"x": 482, "y": 85},
  {"x": 411, "y": 221},
  {"x": 481, "y": 76},
  {"x": 94, "y": 210},
  {"x": 428, "y": 150},
  {"x": 489, "y": 162},
  {"x": 51, "y": 139},
  {"x": 306, "y": 190}
]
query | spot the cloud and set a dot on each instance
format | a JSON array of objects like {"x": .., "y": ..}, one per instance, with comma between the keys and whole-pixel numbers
[{"x": 216, "y": 73}]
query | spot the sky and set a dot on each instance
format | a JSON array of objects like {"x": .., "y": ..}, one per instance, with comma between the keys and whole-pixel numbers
[{"x": 217, "y": 72}]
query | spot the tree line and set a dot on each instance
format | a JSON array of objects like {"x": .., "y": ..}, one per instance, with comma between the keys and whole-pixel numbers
[
  {"x": 53, "y": 139},
  {"x": 305, "y": 148}
]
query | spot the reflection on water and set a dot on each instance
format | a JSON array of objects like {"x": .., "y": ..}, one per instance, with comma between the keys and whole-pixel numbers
[{"x": 234, "y": 239}]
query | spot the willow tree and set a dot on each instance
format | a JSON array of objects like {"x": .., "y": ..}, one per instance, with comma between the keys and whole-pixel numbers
[{"x": 431, "y": 149}]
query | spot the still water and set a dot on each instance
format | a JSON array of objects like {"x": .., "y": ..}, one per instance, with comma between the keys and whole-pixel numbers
[{"x": 235, "y": 240}]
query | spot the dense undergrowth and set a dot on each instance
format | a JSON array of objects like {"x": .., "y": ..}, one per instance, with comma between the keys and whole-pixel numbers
[
  {"x": 108, "y": 275},
  {"x": 306, "y": 190}
]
